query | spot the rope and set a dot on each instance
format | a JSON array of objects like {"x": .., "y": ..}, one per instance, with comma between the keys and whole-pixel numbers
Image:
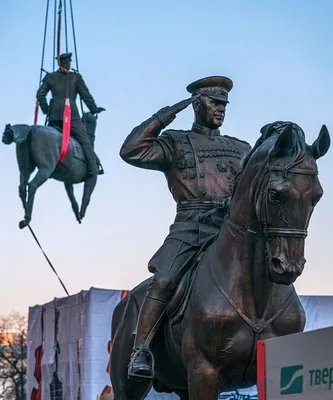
[
  {"x": 47, "y": 259},
  {"x": 54, "y": 33},
  {"x": 75, "y": 48},
  {"x": 59, "y": 31},
  {"x": 65, "y": 17},
  {"x": 74, "y": 38},
  {"x": 44, "y": 41}
]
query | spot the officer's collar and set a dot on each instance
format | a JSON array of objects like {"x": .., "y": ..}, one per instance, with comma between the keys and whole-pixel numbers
[
  {"x": 64, "y": 70},
  {"x": 204, "y": 130}
]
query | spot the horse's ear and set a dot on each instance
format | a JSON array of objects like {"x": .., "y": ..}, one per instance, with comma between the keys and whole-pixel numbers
[
  {"x": 285, "y": 142},
  {"x": 321, "y": 145},
  {"x": 265, "y": 130}
]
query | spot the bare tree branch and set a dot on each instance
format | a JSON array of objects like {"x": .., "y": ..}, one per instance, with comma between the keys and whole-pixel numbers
[{"x": 13, "y": 354}]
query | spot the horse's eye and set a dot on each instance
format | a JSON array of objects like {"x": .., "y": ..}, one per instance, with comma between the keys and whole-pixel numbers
[{"x": 273, "y": 196}]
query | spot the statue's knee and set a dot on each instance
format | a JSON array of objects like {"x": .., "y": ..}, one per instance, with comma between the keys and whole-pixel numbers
[{"x": 162, "y": 286}]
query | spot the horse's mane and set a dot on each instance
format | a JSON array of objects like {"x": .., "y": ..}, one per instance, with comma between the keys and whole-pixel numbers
[{"x": 267, "y": 131}]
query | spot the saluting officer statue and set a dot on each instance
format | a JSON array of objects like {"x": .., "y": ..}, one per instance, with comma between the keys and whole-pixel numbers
[{"x": 200, "y": 166}]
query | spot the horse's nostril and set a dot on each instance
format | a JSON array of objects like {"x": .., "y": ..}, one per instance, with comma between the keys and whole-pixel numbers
[{"x": 278, "y": 266}]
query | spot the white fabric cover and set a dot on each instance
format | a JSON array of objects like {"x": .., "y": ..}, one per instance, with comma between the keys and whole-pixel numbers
[{"x": 84, "y": 331}]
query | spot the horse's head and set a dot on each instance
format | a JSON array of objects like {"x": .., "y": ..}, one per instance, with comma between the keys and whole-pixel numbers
[
  {"x": 281, "y": 178},
  {"x": 8, "y": 135}
]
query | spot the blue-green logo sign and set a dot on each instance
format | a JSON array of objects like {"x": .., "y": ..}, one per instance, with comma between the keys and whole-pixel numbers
[{"x": 291, "y": 380}]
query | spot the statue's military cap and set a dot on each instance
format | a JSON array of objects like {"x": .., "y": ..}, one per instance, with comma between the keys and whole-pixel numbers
[
  {"x": 64, "y": 56},
  {"x": 215, "y": 87}
]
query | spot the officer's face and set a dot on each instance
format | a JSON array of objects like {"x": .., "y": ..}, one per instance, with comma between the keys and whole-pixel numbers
[
  {"x": 210, "y": 112},
  {"x": 66, "y": 63}
]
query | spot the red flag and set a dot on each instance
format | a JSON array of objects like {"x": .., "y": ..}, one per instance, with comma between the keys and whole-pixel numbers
[
  {"x": 66, "y": 128},
  {"x": 36, "y": 113}
]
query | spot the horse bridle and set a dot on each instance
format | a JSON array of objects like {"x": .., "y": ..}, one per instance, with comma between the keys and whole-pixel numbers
[
  {"x": 284, "y": 232},
  {"x": 263, "y": 227}
]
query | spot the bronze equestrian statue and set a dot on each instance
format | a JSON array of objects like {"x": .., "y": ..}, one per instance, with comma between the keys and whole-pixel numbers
[
  {"x": 66, "y": 84},
  {"x": 200, "y": 166},
  {"x": 39, "y": 147},
  {"x": 237, "y": 286}
]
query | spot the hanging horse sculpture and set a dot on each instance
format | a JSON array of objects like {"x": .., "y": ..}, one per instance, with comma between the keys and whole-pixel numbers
[
  {"x": 38, "y": 147},
  {"x": 241, "y": 288}
]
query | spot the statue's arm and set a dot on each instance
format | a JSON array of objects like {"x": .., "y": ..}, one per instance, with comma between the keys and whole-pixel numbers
[
  {"x": 85, "y": 95},
  {"x": 41, "y": 95},
  {"x": 145, "y": 148}
]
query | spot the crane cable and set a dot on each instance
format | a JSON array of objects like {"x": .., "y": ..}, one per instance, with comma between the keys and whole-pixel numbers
[{"x": 56, "y": 41}]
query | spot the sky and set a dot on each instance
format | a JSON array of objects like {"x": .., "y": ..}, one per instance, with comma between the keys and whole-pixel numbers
[{"x": 137, "y": 57}]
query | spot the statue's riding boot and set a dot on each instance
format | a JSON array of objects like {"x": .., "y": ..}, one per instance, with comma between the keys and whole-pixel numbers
[
  {"x": 142, "y": 361},
  {"x": 100, "y": 166},
  {"x": 100, "y": 169}
]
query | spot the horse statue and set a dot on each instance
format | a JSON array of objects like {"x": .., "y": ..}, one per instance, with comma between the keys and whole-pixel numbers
[
  {"x": 240, "y": 288},
  {"x": 38, "y": 146}
]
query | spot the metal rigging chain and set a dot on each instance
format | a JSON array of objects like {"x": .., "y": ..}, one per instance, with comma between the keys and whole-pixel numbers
[
  {"x": 42, "y": 58},
  {"x": 75, "y": 48},
  {"x": 44, "y": 41},
  {"x": 37, "y": 105},
  {"x": 54, "y": 33},
  {"x": 59, "y": 31},
  {"x": 66, "y": 35}
]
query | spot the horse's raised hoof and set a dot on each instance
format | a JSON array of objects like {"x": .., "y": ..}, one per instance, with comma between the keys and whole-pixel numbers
[
  {"x": 78, "y": 217},
  {"x": 24, "y": 223}
]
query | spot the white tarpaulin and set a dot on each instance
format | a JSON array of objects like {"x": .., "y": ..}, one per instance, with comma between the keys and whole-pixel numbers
[{"x": 82, "y": 325}]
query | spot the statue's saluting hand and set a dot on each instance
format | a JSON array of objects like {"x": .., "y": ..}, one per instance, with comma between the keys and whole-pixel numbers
[
  {"x": 166, "y": 115},
  {"x": 100, "y": 109}
]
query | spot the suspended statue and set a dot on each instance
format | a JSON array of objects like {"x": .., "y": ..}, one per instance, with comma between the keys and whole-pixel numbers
[
  {"x": 224, "y": 276},
  {"x": 39, "y": 147}
]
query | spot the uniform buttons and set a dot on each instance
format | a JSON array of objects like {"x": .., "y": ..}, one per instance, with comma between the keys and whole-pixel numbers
[
  {"x": 202, "y": 175},
  {"x": 203, "y": 192},
  {"x": 201, "y": 160}
]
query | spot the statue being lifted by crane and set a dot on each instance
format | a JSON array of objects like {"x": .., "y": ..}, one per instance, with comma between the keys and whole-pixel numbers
[{"x": 63, "y": 148}]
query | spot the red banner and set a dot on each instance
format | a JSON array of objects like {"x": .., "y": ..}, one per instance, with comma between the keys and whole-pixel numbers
[
  {"x": 66, "y": 128},
  {"x": 36, "y": 113}
]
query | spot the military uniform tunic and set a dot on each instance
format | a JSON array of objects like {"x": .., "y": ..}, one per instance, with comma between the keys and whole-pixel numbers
[
  {"x": 200, "y": 167},
  {"x": 64, "y": 85},
  {"x": 68, "y": 85}
]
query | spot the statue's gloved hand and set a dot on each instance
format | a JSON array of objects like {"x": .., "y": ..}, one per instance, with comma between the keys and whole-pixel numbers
[
  {"x": 99, "y": 110},
  {"x": 45, "y": 110},
  {"x": 167, "y": 114}
]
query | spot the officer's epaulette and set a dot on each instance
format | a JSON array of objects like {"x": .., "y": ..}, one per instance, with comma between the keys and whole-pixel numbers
[{"x": 237, "y": 139}]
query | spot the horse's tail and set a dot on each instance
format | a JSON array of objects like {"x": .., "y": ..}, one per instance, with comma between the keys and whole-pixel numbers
[{"x": 117, "y": 316}]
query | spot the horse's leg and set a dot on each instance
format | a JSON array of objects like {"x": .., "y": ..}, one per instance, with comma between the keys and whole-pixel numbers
[
  {"x": 123, "y": 327},
  {"x": 26, "y": 167},
  {"x": 24, "y": 179},
  {"x": 203, "y": 381},
  {"x": 89, "y": 186},
  {"x": 41, "y": 177},
  {"x": 75, "y": 207}
]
